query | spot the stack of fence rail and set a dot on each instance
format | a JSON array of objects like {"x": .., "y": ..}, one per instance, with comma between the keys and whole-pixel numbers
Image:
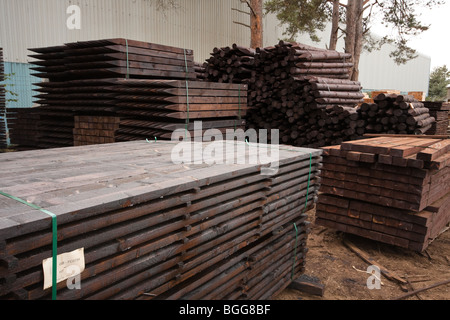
[
  {"x": 150, "y": 87},
  {"x": 393, "y": 190},
  {"x": 3, "y": 133},
  {"x": 293, "y": 87},
  {"x": 152, "y": 229},
  {"x": 396, "y": 114},
  {"x": 439, "y": 111}
]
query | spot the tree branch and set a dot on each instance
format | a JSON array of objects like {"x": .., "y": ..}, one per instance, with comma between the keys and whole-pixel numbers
[
  {"x": 243, "y": 24},
  {"x": 250, "y": 6},
  {"x": 241, "y": 11}
]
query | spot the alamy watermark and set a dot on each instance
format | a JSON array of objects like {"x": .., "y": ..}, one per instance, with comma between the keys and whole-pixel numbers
[
  {"x": 374, "y": 281},
  {"x": 73, "y": 22},
  {"x": 233, "y": 147}
]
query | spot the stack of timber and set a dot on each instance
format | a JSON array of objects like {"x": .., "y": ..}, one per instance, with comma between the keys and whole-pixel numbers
[
  {"x": 393, "y": 190},
  {"x": 152, "y": 229},
  {"x": 113, "y": 58},
  {"x": 150, "y": 108},
  {"x": 301, "y": 87},
  {"x": 3, "y": 129},
  {"x": 24, "y": 131},
  {"x": 65, "y": 67},
  {"x": 439, "y": 111},
  {"x": 233, "y": 64},
  {"x": 200, "y": 71},
  {"x": 144, "y": 90},
  {"x": 294, "y": 88},
  {"x": 396, "y": 114},
  {"x": 95, "y": 130}
]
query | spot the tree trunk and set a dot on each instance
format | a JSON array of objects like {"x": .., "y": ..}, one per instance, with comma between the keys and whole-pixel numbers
[
  {"x": 358, "y": 39},
  {"x": 350, "y": 27},
  {"x": 256, "y": 24},
  {"x": 354, "y": 34},
  {"x": 335, "y": 25}
]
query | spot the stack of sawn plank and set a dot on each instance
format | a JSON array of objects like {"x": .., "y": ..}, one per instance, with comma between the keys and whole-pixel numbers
[
  {"x": 393, "y": 190},
  {"x": 439, "y": 111},
  {"x": 152, "y": 229}
]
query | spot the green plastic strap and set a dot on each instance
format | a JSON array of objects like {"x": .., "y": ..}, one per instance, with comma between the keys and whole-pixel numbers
[
  {"x": 295, "y": 251},
  {"x": 187, "y": 93},
  {"x": 309, "y": 181},
  {"x": 239, "y": 115},
  {"x": 54, "y": 237},
  {"x": 304, "y": 209},
  {"x": 128, "y": 60}
]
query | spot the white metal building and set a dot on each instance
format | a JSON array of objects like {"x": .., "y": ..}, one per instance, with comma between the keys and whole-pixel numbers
[{"x": 200, "y": 25}]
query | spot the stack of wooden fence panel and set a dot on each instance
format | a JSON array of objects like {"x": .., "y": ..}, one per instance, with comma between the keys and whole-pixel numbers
[
  {"x": 396, "y": 114},
  {"x": 3, "y": 133},
  {"x": 393, "y": 190},
  {"x": 152, "y": 229},
  {"x": 439, "y": 111}
]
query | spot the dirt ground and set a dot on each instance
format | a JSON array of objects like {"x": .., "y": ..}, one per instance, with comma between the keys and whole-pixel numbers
[{"x": 333, "y": 263}]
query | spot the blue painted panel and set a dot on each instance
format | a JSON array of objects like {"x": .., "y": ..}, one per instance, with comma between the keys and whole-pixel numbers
[{"x": 20, "y": 81}]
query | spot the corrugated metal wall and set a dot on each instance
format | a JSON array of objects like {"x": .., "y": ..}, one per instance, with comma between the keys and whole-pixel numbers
[{"x": 200, "y": 25}]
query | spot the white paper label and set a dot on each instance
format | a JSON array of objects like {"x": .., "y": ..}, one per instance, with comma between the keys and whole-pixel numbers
[{"x": 69, "y": 265}]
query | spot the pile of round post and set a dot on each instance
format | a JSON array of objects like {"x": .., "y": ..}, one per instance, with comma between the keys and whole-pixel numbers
[
  {"x": 396, "y": 114},
  {"x": 303, "y": 91}
]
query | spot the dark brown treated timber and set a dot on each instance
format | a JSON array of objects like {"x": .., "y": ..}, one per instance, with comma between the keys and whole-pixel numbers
[
  {"x": 399, "y": 197},
  {"x": 174, "y": 230},
  {"x": 289, "y": 90},
  {"x": 130, "y": 80},
  {"x": 396, "y": 114}
]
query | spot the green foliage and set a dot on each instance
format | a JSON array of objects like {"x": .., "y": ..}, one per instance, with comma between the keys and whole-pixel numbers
[
  {"x": 400, "y": 17},
  {"x": 6, "y": 86},
  {"x": 439, "y": 80},
  {"x": 305, "y": 16}
]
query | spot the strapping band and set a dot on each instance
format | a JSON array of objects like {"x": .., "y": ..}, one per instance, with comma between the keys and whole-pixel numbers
[
  {"x": 54, "y": 238},
  {"x": 187, "y": 93},
  {"x": 295, "y": 251},
  {"x": 128, "y": 60},
  {"x": 239, "y": 115}
]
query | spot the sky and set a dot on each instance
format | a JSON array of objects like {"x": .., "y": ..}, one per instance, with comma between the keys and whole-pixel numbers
[{"x": 435, "y": 42}]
